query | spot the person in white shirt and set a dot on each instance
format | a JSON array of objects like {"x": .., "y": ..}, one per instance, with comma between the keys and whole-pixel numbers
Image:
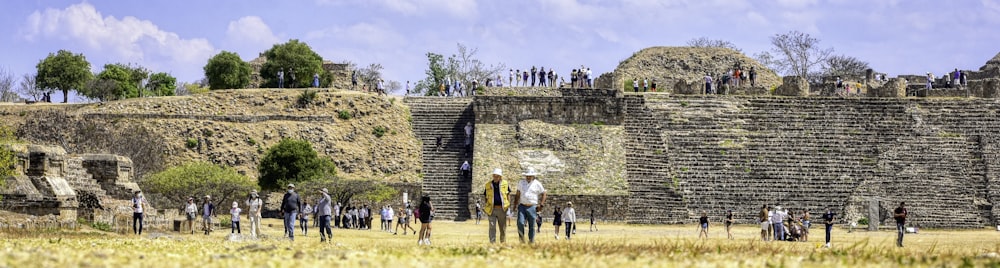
[
  {"x": 191, "y": 212},
  {"x": 254, "y": 203},
  {"x": 304, "y": 217},
  {"x": 138, "y": 202},
  {"x": 777, "y": 220},
  {"x": 235, "y": 212},
  {"x": 531, "y": 195},
  {"x": 388, "y": 215},
  {"x": 569, "y": 218}
]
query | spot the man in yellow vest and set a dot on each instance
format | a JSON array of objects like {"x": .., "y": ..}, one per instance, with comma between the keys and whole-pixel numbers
[{"x": 497, "y": 196}]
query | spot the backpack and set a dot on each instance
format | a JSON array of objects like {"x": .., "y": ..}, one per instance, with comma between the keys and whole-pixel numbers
[{"x": 416, "y": 213}]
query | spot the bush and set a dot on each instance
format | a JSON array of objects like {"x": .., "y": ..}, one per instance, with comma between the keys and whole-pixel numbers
[
  {"x": 208, "y": 133},
  {"x": 305, "y": 99},
  {"x": 863, "y": 221},
  {"x": 379, "y": 131},
  {"x": 102, "y": 226},
  {"x": 175, "y": 184},
  {"x": 344, "y": 115},
  {"x": 191, "y": 143},
  {"x": 291, "y": 161},
  {"x": 251, "y": 141}
]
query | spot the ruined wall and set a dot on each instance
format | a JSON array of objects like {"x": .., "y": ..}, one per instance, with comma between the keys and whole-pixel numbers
[{"x": 573, "y": 106}]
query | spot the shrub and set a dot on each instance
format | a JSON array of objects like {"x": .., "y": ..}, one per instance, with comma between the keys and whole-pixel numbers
[
  {"x": 305, "y": 99},
  {"x": 208, "y": 132},
  {"x": 175, "y": 184},
  {"x": 863, "y": 221},
  {"x": 191, "y": 143},
  {"x": 379, "y": 131},
  {"x": 251, "y": 141},
  {"x": 290, "y": 161},
  {"x": 102, "y": 226},
  {"x": 344, "y": 115}
]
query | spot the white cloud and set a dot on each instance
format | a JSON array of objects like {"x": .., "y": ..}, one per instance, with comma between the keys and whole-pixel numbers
[
  {"x": 796, "y": 3},
  {"x": 130, "y": 38},
  {"x": 251, "y": 29},
  {"x": 378, "y": 35},
  {"x": 454, "y": 8}
]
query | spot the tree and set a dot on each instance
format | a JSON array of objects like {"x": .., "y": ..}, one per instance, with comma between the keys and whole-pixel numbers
[
  {"x": 28, "y": 87},
  {"x": 705, "y": 42},
  {"x": 186, "y": 88},
  {"x": 435, "y": 75},
  {"x": 102, "y": 89},
  {"x": 63, "y": 71},
  {"x": 227, "y": 70},
  {"x": 343, "y": 191},
  {"x": 161, "y": 84},
  {"x": 370, "y": 75},
  {"x": 7, "y": 92},
  {"x": 125, "y": 85},
  {"x": 8, "y": 160},
  {"x": 292, "y": 161},
  {"x": 845, "y": 66},
  {"x": 172, "y": 186},
  {"x": 798, "y": 52},
  {"x": 298, "y": 62},
  {"x": 393, "y": 86},
  {"x": 466, "y": 68}
]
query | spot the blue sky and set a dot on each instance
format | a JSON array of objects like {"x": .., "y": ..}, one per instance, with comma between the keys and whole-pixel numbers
[{"x": 178, "y": 36}]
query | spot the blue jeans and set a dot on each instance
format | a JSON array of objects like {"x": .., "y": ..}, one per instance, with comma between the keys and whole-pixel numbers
[
  {"x": 779, "y": 231},
  {"x": 526, "y": 216},
  {"x": 324, "y": 226},
  {"x": 829, "y": 228},
  {"x": 900, "y": 228},
  {"x": 281, "y": 83},
  {"x": 290, "y": 224}
]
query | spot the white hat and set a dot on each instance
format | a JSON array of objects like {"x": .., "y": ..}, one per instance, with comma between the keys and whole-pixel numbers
[
  {"x": 235, "y": 204},
  {"x": 530, "y": 173},
  {"x": 291, "y": 185},
  {"x": 498, "y": 172}
]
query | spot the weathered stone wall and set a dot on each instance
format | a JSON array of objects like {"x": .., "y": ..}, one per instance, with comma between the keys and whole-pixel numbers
[{"x": 574, "y": 106}]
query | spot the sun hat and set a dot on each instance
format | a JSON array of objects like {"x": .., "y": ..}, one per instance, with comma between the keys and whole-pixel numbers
[
  {"x": 291, "y": 185},
  {"x": 235, "y": 204},
  {"x": 498, "y": 171},
  {"x": 530, "y": 173},
  {"x": 323, "y": 190}
]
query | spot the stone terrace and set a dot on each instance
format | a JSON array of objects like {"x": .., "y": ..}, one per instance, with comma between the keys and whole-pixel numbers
[{"x": 443, "y": 118}]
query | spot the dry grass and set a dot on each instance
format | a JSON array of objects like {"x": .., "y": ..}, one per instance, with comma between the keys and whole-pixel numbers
[{"x": 465, "y": 245}]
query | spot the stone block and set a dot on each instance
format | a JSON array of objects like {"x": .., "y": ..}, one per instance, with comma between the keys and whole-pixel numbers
[
  {"x": 895, "y": 88},
  {"x": 793, "y": 86},
  {"x": 991, "y": 88}
]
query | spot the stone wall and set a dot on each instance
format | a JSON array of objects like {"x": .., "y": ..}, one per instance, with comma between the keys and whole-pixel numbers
[{"x": 575, "y": 106}]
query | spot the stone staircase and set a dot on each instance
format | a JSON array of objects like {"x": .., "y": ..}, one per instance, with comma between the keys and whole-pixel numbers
[
  {"x": 444, "y": 118},
  {"x": 653, "y": 197}
]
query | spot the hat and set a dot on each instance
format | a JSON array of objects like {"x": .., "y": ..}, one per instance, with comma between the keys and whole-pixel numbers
[
  {"x": 291, "y": 185},
  {"x": 235, "y": 204},
  {"x": 323, "y": 190},
  {"x": 530, "y": 173},
  {"x": 208, "y": 197},
  {"x": 190, "y": 198},
  {"x": 569, "y": 203},
  {"x": 498, "y": 172}
]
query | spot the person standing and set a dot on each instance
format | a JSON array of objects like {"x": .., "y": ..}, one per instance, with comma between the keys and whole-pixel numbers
[
  {"x": 708, "y": 83},
  {"x": 425, "y": 211},
  {"x": 590, "y": 78},
  {"x": 496, "y": 194},
  {"x": 281, "y": 78},
  {"x": 635, "y": 85},
  {"x": 806, "y": 224},
  {"x": 191, "y": 211},
  {"x": 930, "y": 80},
  {"x": 765, "y": 222},
  {"x": 753, "y": 77},
  {"x": 323, "y": 214},
  {"x": 389, "y": 215},
  {"x": 315, "y": 79},
  {"x": 900, "y": 215},
  {"x": 645, "y": 85},
  {"x": 535, "y": 70},
  {"x": 541, "y": 77},
  {"x": 304, "y": 216},
  {"x": 336, "y": 215},
  {"x": 235, "y": 220},
  {"x": 569, "y": 219},
  {"x": 254, "y": 204},
  {"x": 557, "y": 220},
  {"x": 828, "y": 218},
  {"x": 531, "y": 195},
  {"x": 729, "y": 224},
  {"x": 777, "y": 220},
  {"x": 138, "y": 203},
  {"x": 479, "y": 212},
  {"x": 207, "y": 210},
  {"x": 510, "y": 78},
  {"x": 290, "y": 204},
  {"x": 703, "y": 225},
  {"x": 593, "y": 221}
]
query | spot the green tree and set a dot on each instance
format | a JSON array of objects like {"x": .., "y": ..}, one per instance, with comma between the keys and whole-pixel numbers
[
  {"x": 343, "y": 191},
  {"x": 292, "y": 161},
  {"x": 8, "y": 161},
  {"x": 63, "y": 71},
  {"x": 435, "y": 75},
  {"x": 227, "y": 70},
  {"x": 171, "y": 187},
  {"x": 162, "y": 84},
  {"x": 298, "y": 62},
  {"x": 124, "y": 86}
]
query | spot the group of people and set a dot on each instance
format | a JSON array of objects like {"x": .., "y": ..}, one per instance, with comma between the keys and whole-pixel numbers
[
  {"x": 735, "y": 77},
  {"x": 954, "y": 79},
  {"x": 530, "y": 197},
  {"x": 645, "y": 85}
]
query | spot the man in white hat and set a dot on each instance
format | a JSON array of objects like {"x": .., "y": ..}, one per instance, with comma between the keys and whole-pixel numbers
[
  {"x": 290, "y": 205},
  {"x": 778, "y": 221},
  {"x": 531, "y": 196},
  {"x": 497, "y": 196}
]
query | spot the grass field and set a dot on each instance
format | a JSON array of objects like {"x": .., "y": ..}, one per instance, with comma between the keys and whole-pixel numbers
[{"x": 465, "y": 244}]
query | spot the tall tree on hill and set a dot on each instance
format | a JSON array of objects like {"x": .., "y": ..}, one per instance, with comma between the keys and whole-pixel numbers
[
  {"x": 463, "y": 66},
  {"x": 706, "y": 42},
  {"x": 797, "y": 53},
  {"x": 227, "y": 70},
  {"x": 298, "y": 62},
  {"x": 28, "y": 87},
  {"x": 127, "y": 82},
  {"x": 370, "y": 75},
  {"x": 161, "y": 84},
  {"x": 63, "y": 71},
  {"x": 7, "y": 90},
  {"x": 845, "y": 66},
  {"x": 435, "y": 75}
]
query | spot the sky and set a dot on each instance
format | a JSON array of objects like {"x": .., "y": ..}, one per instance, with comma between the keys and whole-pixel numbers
[{"x": 178, "y": 36}]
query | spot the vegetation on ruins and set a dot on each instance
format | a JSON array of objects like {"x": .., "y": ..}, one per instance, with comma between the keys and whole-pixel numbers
[
  {"x": 292, "y": 161},
  {"x": 8, "y": 160},
  {"x": 344, "y": 190},
  {"x": 463, "y": 66},
  {"x": 172, "y": 187},
  {"x": 7, "y": 90},
  {"x": 227, "y": 70},
  {"x": 298, "y": 62},
  {"x": 27, "y": 87},
  {"x": 706, "y": 42},
  {"x": 845, "y": 66},
  {"x": 118, "y": 81},
  {"x": 63, "y": 71},
  {"x": 795, "y": 53},
  {"x": 305, "y": 99},
  {"x": 161, "y": 84}
]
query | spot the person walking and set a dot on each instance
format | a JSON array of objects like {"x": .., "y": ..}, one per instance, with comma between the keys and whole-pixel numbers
[
  {"x": 207, "y": 210},
  {"x": 138, "y": 203},
  {"x": 806, "y": 224},
  {"x": 703, "y": 225},
  {"x": 729, "y": 224},
  {"x": 191, "y": 211},
  {"x": 323, "y": 214},
  {"x": 765, "y": 222},
  {"x": 290, "y": 204},
  {"x": 234, "y": 227},
  {"x": 900, "y": 215},
  {"x": 593, "y": 221},
  {"x": 425, "y": 211},
  {"x": 557, "y": 220},
  {"x": 531, "y": 195},
  {"x": 496, "y": 193},
  {"x": 400, "y": 221},
  {"x": 409, "y": 218},
  {"x": 479, "y": 212},
  {"x": 304, "y": 216},
  {"x": 569, "y": 219},
  {"x": 254, "y": 204},
  {"x": 828, "y": 218}
]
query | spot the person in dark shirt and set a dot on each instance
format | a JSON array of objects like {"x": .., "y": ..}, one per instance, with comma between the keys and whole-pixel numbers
[
  {"x": 729, "y": 224},
  {"x": 703, "y": 225},
  {"x": 828, "y": 221},
  {"x": 900, "y": 215},
  {"x": 290, "y": 205}
]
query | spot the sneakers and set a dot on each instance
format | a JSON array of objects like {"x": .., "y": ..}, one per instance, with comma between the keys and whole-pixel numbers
[
  {"x": 427, "y": 241},
  {"x": 420, "y": 242},
  {"x": 827, "y": 245},
  {"x": 557, "y": 237}
]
